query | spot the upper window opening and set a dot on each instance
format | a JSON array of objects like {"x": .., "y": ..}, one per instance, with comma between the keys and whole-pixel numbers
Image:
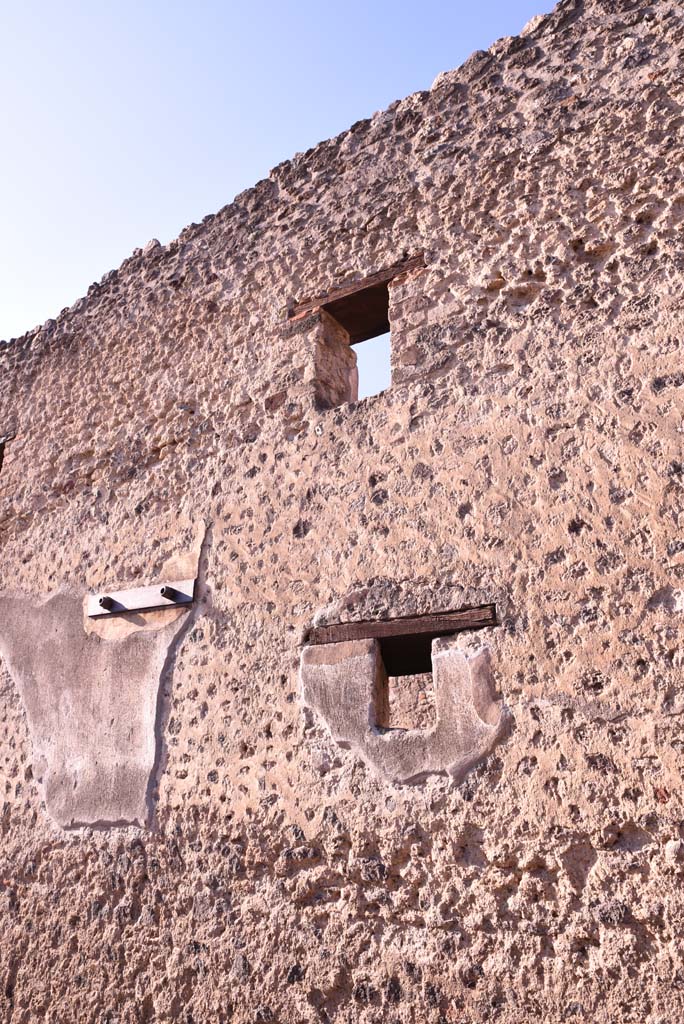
[
  {"x": 352, "y": 344},
  {"x": 4, "y": 438},
  {"x": 364, "y": 314},
  {"x": 373, "y": 365}
]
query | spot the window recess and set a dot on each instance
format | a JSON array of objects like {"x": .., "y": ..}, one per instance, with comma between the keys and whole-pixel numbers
[
  {"x": 353, "y": 315},
  {"x": 407, "y": 699}
]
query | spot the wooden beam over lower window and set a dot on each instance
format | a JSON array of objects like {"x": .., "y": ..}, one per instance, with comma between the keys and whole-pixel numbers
[
  {"x": 439, "y": 624},
  {"x": 406, "y": 643}
]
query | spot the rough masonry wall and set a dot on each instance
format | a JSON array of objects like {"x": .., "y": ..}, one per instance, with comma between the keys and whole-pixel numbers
[{"x": 529, "y": 454}]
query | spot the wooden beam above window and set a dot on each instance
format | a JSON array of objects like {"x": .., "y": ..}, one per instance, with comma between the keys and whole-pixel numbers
[
  {"x": 406, "y": 642},
  {"x": 358, "y": 300}
]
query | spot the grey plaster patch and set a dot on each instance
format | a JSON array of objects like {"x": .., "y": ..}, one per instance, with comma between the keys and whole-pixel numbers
[
  {"x": 91, "y": 705},
  {"x": 347, "y": 685}
]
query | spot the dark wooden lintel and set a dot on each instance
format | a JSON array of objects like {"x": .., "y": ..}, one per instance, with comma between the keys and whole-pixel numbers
[
  {"x": 350, "y": 287},
  {"x": 439, "y": 624}
]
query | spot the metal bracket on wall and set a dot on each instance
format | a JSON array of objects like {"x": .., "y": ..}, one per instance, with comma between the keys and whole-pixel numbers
[{"x": 161, "y": 595}]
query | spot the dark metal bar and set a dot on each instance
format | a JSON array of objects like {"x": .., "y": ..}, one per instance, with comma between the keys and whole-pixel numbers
[{"x": 166, "y": 595}]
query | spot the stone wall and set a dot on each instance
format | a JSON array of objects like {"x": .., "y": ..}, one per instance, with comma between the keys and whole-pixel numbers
[{"x": 529, "y": 455}]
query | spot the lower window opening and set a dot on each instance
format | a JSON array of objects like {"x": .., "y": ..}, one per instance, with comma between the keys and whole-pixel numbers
[
  {"x": 405, "y": 694},
  {"x": 411, "y": 702}
]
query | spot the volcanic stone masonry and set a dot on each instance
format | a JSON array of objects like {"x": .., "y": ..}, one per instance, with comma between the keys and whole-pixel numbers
[{"x": 256, "y": 806}]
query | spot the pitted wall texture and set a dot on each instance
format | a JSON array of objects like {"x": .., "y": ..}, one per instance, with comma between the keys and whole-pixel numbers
[{"x": 529, "y": 454}]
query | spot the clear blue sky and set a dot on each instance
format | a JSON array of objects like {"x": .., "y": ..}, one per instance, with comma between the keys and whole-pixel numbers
[{"x": 125, "y": 121}]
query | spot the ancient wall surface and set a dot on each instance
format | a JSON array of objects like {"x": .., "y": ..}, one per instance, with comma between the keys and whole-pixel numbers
[{"x": 191, "y": 832}]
